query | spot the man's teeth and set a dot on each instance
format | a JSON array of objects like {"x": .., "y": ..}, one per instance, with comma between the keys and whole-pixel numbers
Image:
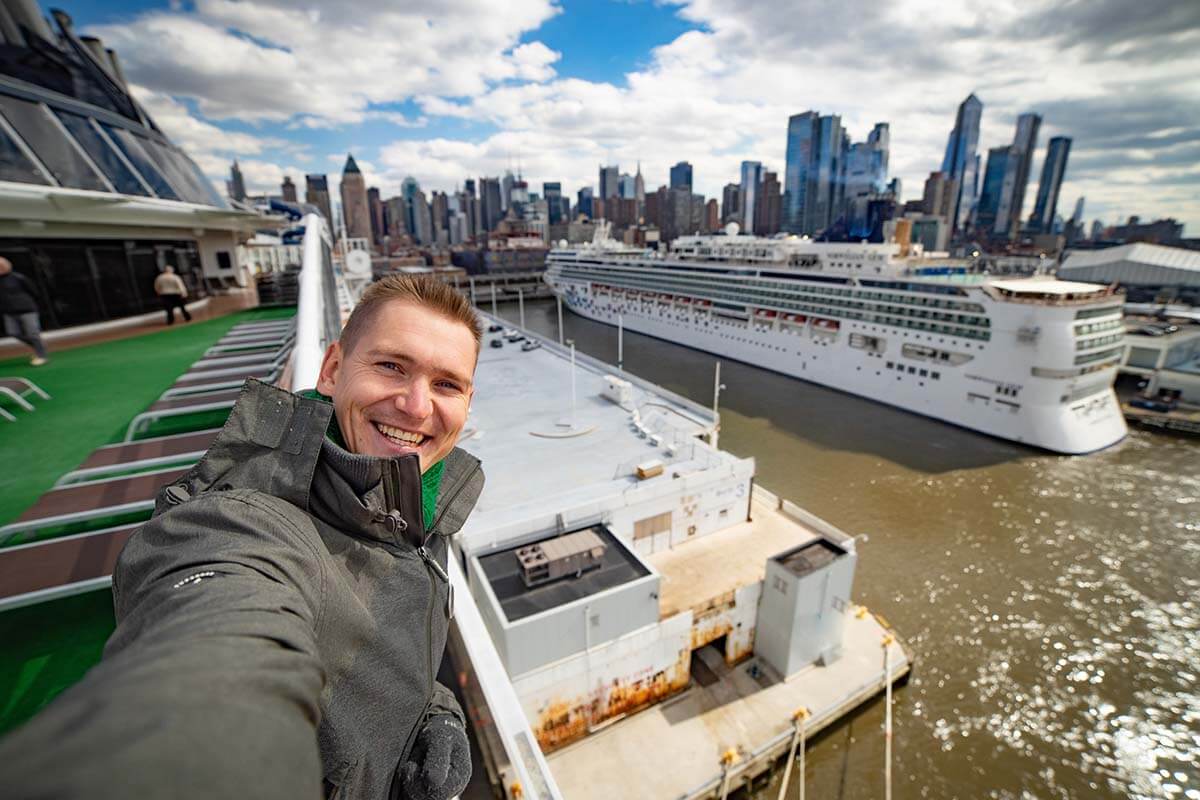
[{"x": 400, "y": 436}]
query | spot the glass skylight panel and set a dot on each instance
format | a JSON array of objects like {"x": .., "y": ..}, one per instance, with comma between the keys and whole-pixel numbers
[
  {"x": 15, "y": 165},
  {"x": 214, "y": 196},
  {"x": 50, "y": 144},
  {"x": 179, "y": 178},
  {"x": 137, "y": 156},
  {"x": 118, "y": 173}
]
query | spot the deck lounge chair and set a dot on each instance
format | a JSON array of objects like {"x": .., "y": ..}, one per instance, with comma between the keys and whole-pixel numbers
[
  {"x": 249, "y": 344},
  {"x": 181, "y": 406},
  {"x": 142, "y": 455},
  {"x": 17, "y": 390},
  {"x": 202, "y": 383},
  {"x": 80, "y": 503},
  {"x": 241, "y": 357},
  {"x": 271, "y": 325},
  {"x": 40, "y": 571}
]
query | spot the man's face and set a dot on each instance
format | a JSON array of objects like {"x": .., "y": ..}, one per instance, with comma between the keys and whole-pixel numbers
[
  {"x": 406, "y": 384},
  {"x": 5, "y": 266}
]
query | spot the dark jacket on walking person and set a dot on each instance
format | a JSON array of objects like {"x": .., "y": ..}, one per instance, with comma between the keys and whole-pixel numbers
[
  {"x": 19, "y": 310},
  {"x": 287, "y": 597},
  {"x": 17, "y": 294}
]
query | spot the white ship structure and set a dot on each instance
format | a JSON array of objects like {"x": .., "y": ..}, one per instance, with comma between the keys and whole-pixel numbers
[{"x": 1031, "y": 360}]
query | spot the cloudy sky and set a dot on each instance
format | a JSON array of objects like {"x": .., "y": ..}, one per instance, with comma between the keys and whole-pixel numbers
[{"x": 448, "y": 89}]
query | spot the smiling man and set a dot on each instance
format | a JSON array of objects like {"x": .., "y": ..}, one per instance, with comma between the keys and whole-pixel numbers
[{"x": 282, "y": 617}]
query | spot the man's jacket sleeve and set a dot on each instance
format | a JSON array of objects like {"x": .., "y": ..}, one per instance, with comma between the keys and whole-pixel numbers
[{"x": 210, "y": 684}]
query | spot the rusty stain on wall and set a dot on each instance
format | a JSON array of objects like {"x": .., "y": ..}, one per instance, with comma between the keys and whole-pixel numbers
[{"x": 562, "y": 721}]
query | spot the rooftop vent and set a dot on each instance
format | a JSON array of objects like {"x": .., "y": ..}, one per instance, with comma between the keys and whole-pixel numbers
[{"x": 573, "y": 554}]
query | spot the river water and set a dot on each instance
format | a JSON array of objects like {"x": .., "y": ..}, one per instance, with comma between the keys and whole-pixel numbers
[{"x": 1052, "y": 603}]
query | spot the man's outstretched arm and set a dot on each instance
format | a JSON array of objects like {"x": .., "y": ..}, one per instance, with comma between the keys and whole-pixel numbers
[{"x": 210, "y": 684}]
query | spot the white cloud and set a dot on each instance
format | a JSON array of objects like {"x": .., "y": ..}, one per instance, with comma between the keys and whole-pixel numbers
[
  {"x": 272, "y": 60},
  {"x": 722, "y": 94},
  {"x": 1124, "y": 90}
]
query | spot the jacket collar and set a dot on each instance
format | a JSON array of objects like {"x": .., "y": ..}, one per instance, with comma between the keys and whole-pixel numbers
[{"x": 274, "y": 442}]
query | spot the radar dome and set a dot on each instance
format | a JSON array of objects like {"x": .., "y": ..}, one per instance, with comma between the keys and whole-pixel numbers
[
  {"x": 732, "y": 229},
  {"x": 358, "y": 262}
]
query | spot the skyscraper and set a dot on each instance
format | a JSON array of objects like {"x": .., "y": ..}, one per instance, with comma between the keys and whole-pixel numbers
[
  {"x": 316, "y": 192},
  {"x": 751, "y": 178},
  {"x": 730, "y": 208},
  {"x": 288, "y": 189},
  {"x": 422, "y": 218},
  {"x": 681, "y": 176},
  {"x": 961, "y": 162},
  {"x": 1025, "y": 140},
  {"x": 768, "y": 201},
  {"x": 829, "y": 172},
  {"x": 802, "y": 137},
  {"x": 375, "y": 209},
  {"x": 628, "y": 186},
  {"x": 584, "y": 202},
  {"x": 1053, "y": 169},
  {"x": 993, "y": 212},
  {"x": 490, "y": 206},
  {"x": 355, "y": 211},
  {"x": 941, "y": 192},
  {"x": 610, "y": 179},
  {"x": 506, "y": 187},
  {"x": 552, "y": 191},
  {"x": 237, "y": 184},
  {"x": 639, "y": 190}
]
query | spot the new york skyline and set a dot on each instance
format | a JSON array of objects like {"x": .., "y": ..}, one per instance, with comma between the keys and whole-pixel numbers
[{"x": 558, "y": 89}]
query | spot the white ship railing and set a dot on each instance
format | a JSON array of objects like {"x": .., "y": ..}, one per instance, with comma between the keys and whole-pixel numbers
[{"x": 318, "y": 319}]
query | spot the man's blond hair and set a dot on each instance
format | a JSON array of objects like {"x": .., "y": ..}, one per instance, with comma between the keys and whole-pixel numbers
[{"x": 423, "y": 290}]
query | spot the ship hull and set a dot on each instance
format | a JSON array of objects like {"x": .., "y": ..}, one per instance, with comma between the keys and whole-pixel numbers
[{"x": 960, "y": 397}]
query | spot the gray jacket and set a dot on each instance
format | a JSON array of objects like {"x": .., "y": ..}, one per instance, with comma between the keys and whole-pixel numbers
[{"x": 279, "y": 626}]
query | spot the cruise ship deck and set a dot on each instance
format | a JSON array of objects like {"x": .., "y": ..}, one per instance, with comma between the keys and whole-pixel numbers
[{"x": 94, "y": 390}]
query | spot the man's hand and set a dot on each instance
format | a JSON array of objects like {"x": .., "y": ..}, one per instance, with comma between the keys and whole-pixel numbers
[{"x": 439, "y": 766}]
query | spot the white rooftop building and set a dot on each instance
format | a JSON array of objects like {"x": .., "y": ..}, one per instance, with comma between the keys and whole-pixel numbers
[{"x": 1138, "y": 264}]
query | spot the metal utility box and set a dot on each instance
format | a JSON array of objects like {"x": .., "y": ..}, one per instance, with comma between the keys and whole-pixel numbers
[
  {"x": 552, "y": 559},
  {"x": 803, "y": 607}
]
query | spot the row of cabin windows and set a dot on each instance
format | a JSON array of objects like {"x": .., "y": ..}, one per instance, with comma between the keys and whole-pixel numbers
[
  {"x": 919, "y": 372},
  {"x": 885, "y": 315}
]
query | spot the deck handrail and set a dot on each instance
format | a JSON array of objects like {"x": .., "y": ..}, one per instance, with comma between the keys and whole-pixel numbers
[{"x": 318, "y": 320}]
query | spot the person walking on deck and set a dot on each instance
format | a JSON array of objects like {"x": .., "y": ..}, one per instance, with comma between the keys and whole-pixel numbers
[
  {"x": 20, "y": 310},
  {"x": 282, "y": 617},
  {"x": 173, "y": 292}
]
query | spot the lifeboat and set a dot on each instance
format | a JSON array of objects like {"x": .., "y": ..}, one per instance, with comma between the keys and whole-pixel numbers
[{"x": 826, "y": 324}]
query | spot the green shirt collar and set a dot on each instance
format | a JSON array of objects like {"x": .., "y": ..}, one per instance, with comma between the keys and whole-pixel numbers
[{"x": 431, "y": 479}]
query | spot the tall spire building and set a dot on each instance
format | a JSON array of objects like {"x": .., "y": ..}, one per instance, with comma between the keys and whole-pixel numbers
[
  {"x": 961, "y": 162},
  {"x": 1053, "y": 169},
  {"x": 355, "y": 209},
  {"x": 1025, "y": 141}
]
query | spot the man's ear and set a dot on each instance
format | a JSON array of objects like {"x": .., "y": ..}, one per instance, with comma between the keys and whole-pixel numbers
[{"x": 327, "y": 379}]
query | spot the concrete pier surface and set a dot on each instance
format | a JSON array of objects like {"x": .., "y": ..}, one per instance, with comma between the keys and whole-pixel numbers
[{"x": 674, "y": 749}]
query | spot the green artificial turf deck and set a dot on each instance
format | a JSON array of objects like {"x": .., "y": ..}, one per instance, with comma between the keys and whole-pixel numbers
[
  {"x": 95, "y": 392},
  {"x": 47, "y": 648}
]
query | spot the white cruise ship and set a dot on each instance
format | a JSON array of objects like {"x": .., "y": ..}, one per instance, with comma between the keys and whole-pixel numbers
[{"x": 1030, "y": 360}]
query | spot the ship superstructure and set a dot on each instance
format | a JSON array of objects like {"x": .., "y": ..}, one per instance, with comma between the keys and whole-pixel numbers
[{"x": 1030, "y": 360}]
